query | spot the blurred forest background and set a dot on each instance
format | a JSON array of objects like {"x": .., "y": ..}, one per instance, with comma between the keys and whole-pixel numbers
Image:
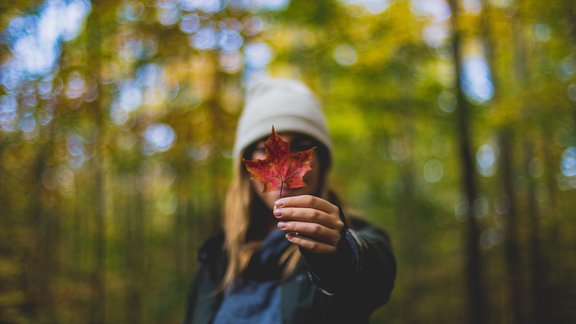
[{"x": 454, "y": 123}]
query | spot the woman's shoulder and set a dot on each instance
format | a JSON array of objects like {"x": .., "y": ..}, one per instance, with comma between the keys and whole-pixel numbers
[
  {"x": 358, "y": 223},
  {"x": 212, "y": 248},
  {"x": 362, "y": 227}
]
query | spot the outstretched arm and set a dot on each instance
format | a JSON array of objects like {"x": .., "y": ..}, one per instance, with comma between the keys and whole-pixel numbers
[{"x": 357, "y": 262}]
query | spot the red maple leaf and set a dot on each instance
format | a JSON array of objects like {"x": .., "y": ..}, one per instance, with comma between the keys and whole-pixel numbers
[{"x": 280, "y": 167}]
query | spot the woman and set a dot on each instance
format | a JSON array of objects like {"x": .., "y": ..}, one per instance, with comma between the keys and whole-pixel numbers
[{"x": 296, "y": 259}]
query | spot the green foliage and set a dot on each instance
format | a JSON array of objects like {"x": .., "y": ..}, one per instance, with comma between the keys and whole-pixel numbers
[{"x": 114, "y": 162}]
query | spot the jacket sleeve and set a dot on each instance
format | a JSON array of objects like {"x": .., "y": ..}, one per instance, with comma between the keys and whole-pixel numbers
[{"x": 363, "y": 268}]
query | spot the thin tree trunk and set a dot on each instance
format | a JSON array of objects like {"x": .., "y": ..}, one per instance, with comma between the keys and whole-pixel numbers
[
  {"x": 570, "y": 14},
  {"x": 504, "y": 134},
  {"x": 538, "y": 276},
  {"x": 550, "y": 163},
  {"x": 218, "y": 124},
  {"x": 411, "y": 248},
  {"x": 98, "y": 283},
  {"x": 489, "y": 46},
  {"x": 9, "y": 252},
  {"x": 40, "y": 259},
  {"x": 574, "y": 120},
  {"x": 514, "y": 263},
  {"x": 184, "y": 188},
  {"x": 180, "y": 227},
  {"x": 98, "y": 164},
  {"x": 511, "y": 241},
  {"x": 406, "y": 209},
  {"x": 475, "y": 300},
  {"x": 134, "y": 247}
]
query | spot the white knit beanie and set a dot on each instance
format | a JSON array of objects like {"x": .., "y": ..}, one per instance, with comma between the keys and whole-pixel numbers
[{"x": 286, "y": 104}]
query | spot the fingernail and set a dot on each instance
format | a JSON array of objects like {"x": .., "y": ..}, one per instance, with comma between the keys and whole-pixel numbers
[
  {"x": 289, "y": 236},
  {"x": 281, "y": 225},
  {"x": 279, "y": 203},
  {"x": 278, "y": 212}
]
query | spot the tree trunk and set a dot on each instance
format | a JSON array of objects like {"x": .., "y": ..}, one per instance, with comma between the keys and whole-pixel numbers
[
  {"x": 39, "y": 260},
  {"x": 98, "y": 166},
  {"x": 98, "y": 283},
  {"x": 550, "y": 165},
  {"x": 511, "y": 241},
  {"x": 406, "y": 210},
  {"x": 476, "y": 304},
  {"x": 538, "y": 276},
  {"x": 134, "y": 247},
  {"x": 218, "y": 124},
  {"x": 489, "y": 46},
  {"x": 570, "y": 11}
]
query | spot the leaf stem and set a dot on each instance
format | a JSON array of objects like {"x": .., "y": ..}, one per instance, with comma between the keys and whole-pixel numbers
[{"x": 281, "y": 187}]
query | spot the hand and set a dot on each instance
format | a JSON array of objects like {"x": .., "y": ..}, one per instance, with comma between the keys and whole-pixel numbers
[{"x": 312, "y": 223}]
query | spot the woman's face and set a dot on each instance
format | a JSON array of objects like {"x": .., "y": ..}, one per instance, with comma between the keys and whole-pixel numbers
[{"x": 312, "y": 178}]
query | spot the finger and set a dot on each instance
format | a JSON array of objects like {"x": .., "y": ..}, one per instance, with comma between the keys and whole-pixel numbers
[
  {"x": 310, "y": 245},
  {"x": 309, "y": 215},
  {"x": 307, "y": 201},
  {"x": 312, "y": 230}
]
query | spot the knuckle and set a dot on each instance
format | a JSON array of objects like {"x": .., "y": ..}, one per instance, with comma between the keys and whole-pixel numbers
[
  {"x": 315, "y": 215},
  {"x": 314, "y": 246},
  {"x": 309, "y": 200},
  {"x": 316, "y": 229},
  {"x": 337, "y": 240}
]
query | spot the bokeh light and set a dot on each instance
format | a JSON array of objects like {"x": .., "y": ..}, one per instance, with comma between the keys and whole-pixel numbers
[
  {"x": 34, "y": 40},
  {"x": 436, "y": 9},
  {"x": 486, "y": 159},
  {"x": 433, "y": 171},
  {"x": 345, "y": 55},
  {"x": 477, "y": 81},
  {"x": 205, "y": 39},
  {"x": 158, "y": 138},
  {"x": 568, "y": 164},
  {"x": 436, "y": 34},
  {"x": 372, "y": 6}
]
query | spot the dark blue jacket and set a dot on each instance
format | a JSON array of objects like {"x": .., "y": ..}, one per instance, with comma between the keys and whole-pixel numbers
[{"x": 322, "y": 288}]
